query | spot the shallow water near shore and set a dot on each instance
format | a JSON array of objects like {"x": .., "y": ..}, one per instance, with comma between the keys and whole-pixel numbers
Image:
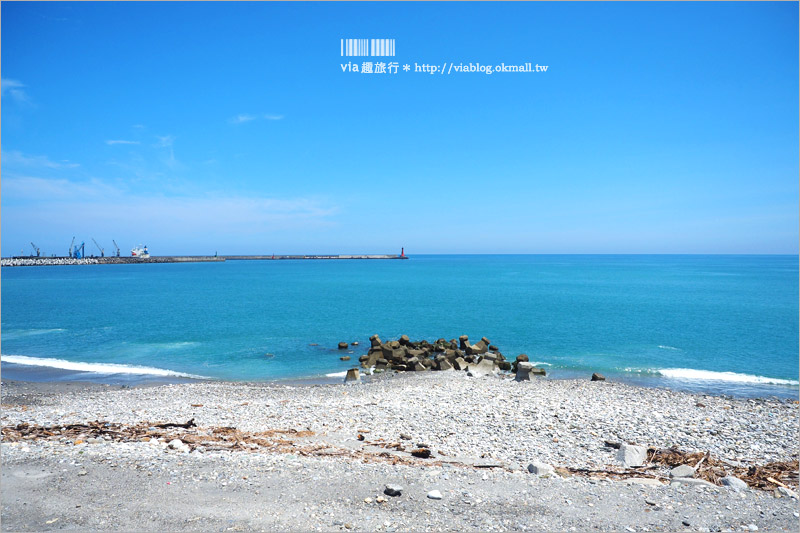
[{"x": 718, "y": 324}]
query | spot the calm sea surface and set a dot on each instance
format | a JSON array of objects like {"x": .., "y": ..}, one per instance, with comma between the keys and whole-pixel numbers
[{"x": 721, "y": 324}]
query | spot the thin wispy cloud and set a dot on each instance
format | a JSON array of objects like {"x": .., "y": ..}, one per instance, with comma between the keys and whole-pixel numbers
[
  {"x": 113, "y": 142},
  {"x": 15, "y": 89},
  {"x": 95, "y": 203},
  {"x": 15, "y": 158},
  {"x": 246, "y": 117},
  {"x": 165, "y": 141},
  {"x": 239, "y": 119}
]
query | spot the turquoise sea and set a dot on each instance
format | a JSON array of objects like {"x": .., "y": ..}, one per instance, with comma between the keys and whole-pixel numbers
[{"x": 717, "y": 324}]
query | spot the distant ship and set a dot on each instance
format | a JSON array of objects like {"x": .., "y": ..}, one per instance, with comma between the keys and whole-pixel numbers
[{"x": 140, "y": 251}]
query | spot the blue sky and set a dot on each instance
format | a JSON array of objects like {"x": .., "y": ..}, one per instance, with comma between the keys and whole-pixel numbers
[{"x": 230, "y": 127}]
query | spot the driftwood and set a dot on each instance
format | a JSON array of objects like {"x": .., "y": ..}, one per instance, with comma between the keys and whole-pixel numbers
[{"x": 187, "y": 425}]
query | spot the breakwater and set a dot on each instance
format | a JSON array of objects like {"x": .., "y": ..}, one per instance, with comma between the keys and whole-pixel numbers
[
  {"x": 285, "y": 257},
  {"x": 56, "y": 261}
]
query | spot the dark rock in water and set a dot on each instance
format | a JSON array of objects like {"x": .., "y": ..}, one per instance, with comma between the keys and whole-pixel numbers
[
  {"x": 354, "y": 343},
  {"x": 493, "y": 348},
  {"x": 505, "y": 365},
  {"x": 343, "y": 345},
  {"x": 404, "y": 340},
  {"x": 522, "y": 358},
  {"x": 463, "y": 342},
  {"x": 422, "y": 453},
  {"x": 313, "y": 344},
  {"x": 344, "y": 358},
  {"x": 538, "y": 371},
  {"x": 598, "y": 377},
  {"x": 480, "y": 347},
  {"x": 375, "y": 340},
  {"x": 352, "y": 376},
  {"x": 372, "y": 359}
]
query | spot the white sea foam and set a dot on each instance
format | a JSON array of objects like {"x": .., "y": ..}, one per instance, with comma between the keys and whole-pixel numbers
[
  {"x": 14, "y": 334},
  {"x": 709, "y": 375},
  {"x": 99, "y": 368},
  {"x": 541, "y": 363},
  {"x": 336, "y": 374},
  {"x": 665, "y": 347}
]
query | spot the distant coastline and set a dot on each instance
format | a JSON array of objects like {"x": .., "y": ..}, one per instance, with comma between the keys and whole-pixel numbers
[{"x": 58, "y": 261}]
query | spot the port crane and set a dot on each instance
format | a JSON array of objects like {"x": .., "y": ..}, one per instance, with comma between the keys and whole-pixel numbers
[
  {"x": 115, "y": 246},
  {"x": 36, "y": 249},
  {"x": 102, "y": 250},
  {"x": 80, "y": 251},
  {"x": 70, "y": 246}
]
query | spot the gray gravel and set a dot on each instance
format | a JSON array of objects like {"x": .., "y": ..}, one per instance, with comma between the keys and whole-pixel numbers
[{"x": 466, "y": 421}]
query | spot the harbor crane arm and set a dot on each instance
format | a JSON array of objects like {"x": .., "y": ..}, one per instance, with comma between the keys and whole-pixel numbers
[
  {"x": 36, "y": 249},
  {"x": 102, "y": 250},
  {"x": 71, "y": 245},
  {"x": 115, "y": 246}
]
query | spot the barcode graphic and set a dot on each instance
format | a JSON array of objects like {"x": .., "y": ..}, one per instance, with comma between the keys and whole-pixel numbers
[{"x": 368, "y": 47}]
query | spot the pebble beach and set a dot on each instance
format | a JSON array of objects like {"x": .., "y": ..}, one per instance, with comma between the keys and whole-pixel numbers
[{"x": 503, "y": 455}]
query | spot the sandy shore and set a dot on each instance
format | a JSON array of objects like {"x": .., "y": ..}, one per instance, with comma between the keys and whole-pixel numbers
[{"x": 277, "y": 457}]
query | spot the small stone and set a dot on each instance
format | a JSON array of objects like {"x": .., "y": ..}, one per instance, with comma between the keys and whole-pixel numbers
[
  {"x": 734, "y": 483},
  {"x": 405, "y": 436},
  {"x": 752, "y": 527},
  {"x": 540, "y": 469},
  {"x": 367, "y": 500},
  {"x": 422, "y": 453},
  {"x": 598, "y": 377},
  {"x": 343, "y": 345},
  {"x": 435, "y": 495},
  {"x": 686, "y": 523},
  {"x": 682, "y": 471},
  {"x": 344, "y": 358},
  {"x": 630, "y": 455},
  {"x": 82, "y": 473},
  {"x": 393, "y": 490}
]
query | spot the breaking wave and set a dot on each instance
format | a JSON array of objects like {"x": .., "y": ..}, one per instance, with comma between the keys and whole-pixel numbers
[
  {"x": 709, "y": 375},
  {"x": 99, "y": 368}
]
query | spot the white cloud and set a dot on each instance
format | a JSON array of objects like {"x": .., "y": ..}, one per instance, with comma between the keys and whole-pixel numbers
[
  {"x": 14, "y": 89},
  {"x": 165, "y": 141},
  {"x": 238, "y": 119},
  {"x": 15, "y": 158},
  {"x": 95, "y": 203},
  {"x": 244, "y": 117},
  {"x": 121, "y": 142}
]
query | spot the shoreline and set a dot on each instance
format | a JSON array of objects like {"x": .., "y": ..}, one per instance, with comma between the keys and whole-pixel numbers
[
  {"x": 316, "y": 457},
  {"x": 743, "y": 390}
]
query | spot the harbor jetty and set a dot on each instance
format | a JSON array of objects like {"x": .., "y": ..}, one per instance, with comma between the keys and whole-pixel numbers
[{"x": 56, "y": 261}]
